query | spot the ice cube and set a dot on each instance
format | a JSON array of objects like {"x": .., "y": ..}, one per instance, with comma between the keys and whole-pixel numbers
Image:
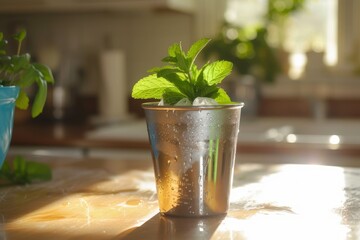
[
  {"x": 183, "y": 102},
  {"x": 161, "y": 103},
  {"x": 204, "y": 101}
]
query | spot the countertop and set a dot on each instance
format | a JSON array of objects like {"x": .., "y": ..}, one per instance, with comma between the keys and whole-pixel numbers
[
  {"x": 265, "y": 136},
  {"x": 112, "y": 199}
]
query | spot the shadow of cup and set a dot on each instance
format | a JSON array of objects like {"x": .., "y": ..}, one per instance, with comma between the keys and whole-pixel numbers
[{"x": 175, "y": 228}]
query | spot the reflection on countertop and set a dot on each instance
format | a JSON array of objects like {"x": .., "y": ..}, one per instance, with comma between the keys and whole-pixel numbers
[
  {"x": 288, "y": 130},
  {"x": 332, "y": 140},
  {"x": 112, "y": 199}
]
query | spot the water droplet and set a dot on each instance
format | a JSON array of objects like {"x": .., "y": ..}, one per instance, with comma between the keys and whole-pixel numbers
[{"x": 169, "y": 161}]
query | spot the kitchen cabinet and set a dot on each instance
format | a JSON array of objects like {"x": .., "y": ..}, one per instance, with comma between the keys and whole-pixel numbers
[{"x": 30, "y": 6}]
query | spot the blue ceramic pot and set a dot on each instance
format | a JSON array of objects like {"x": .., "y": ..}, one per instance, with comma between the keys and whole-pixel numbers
[{"x": 8, "y": 97}]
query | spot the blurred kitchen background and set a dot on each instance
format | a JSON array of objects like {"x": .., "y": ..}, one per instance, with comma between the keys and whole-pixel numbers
[{"x": 297, "y": 68}]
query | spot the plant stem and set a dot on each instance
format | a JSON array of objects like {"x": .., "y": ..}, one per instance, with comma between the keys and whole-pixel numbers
[{"x": 19, "y": 48}]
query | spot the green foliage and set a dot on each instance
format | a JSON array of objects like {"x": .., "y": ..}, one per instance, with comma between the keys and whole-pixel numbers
[
  {"x": 23, "y": 171},
  {"x": 247, "y": 49},
  {"x": 18, "y": 70},
  {"x": 181, "y": 78},
  {"x": 281, "y": 9}
]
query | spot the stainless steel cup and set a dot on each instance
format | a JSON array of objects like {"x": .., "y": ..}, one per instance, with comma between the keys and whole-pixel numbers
[{"x": 193, "y": 150}]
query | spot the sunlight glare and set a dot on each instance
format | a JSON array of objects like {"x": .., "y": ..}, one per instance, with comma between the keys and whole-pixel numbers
[
  {"x": 291, "y": 138},
  {"x": 295, "y": 202},
  {"x": 334, "y": 139},
  {"x": 297, "y": 65}
]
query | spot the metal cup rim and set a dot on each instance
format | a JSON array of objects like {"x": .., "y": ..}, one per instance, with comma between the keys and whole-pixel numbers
[{"x": 155, "y": 106}]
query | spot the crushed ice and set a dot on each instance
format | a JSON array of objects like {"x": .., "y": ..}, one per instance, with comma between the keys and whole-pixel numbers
[
  {"x": 199, "y": 101},
  {"x": 183, "y": 102},
  {"x": 204, "y": 101}
]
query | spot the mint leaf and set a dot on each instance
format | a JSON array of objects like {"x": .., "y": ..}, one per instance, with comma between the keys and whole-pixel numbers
[
  {"x": 181, "y": 78},
  {"x": 182, "y": 62},
  {"x": 28, "y": 77},
  {"x": 182, "y": 86},
  {"x": 20, "y": 62},
  {"x": 39, "y": 171},
  {"x": 172, "y": 96},
  {"x": 40, "y": 97},
  {"x": 173, "y": 49},
  {"x": 158, "y": 69},
  {"x": 196, "y": 48},
  {"x": 45, "y": 71},
  {"x": 23, "y": 171},
  {"x": 22, "y": 101},
  {"x": 215, "y": 72},
  {"x": 208, "y": 91},
  {"x": 20, "y": 36},
  {"x": 221, "y": 97},
  {"x": 165, "y": 72},
  {"x": 151, "y": 87},
  {"x": 171, "y": 60}
]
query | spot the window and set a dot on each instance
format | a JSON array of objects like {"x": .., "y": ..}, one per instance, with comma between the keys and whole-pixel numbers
[{"x": 322, "y": 31}]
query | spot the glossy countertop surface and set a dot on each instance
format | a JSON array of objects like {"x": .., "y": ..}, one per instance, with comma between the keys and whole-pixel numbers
[
  {"x": 264, "y": 135},
  {"x": 116, "y": 199}
]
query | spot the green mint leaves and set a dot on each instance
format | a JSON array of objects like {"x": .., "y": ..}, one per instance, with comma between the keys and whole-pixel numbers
[
  {"x": 18, "y": 70},
  {"x": 181, "y": 78},
  {"x": 23, "y": 171}
]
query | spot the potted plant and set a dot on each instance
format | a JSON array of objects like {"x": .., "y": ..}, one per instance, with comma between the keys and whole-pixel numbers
[
  {"x": 192, "y": 131},
  {"x": 254, "y": 60},
  {"x": 17, "y": 74}
]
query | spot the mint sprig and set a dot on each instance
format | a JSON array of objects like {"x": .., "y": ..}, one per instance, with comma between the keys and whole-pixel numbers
[
  {"x": 181, "y": 78},
  {"x": 23, "y": 171}
]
